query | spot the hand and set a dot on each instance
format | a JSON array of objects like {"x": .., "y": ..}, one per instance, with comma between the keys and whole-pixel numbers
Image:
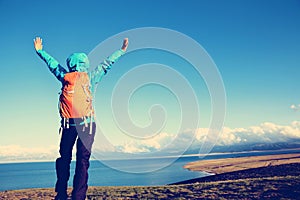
[
  {"x": 125, "y": 44},
  {"x": 38, "y": 43}
]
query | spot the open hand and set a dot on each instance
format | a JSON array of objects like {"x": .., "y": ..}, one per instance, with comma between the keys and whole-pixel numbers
[
  {"x": 38, "y": 43},
  {"x": 125, "y": 44}
]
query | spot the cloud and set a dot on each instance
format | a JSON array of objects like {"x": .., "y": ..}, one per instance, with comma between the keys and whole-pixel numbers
[
  {"x": 171, "y": 143},
  {"x": 12, "y": 153},
  {"x": 264, "y": 133},
  {"x": 295, "y": 107},
  {"x": 146, "y": 145}
]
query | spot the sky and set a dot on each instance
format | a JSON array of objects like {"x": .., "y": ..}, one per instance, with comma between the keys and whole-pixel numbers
[{"x": 254, "y": 45}]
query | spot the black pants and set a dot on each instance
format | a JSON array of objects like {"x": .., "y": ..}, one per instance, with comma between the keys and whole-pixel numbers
[{"x": 85, "y": 140}]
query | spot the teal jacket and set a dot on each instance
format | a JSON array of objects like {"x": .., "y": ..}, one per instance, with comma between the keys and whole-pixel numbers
[{"x": 80, "y": 62}]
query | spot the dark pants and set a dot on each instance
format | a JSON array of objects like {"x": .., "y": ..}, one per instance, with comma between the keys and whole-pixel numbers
[{"x": 85, "y": 140}]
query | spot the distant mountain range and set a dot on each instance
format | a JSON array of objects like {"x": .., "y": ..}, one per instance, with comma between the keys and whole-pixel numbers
[{"x": 252, "y": 147}]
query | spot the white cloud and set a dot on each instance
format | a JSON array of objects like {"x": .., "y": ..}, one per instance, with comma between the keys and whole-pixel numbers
[
  {"x": 147, "y": 145},
  {"x": 266, "y": 132},
  {"x": 11, "y": 153},
  {"x": 295, "y": 107}
]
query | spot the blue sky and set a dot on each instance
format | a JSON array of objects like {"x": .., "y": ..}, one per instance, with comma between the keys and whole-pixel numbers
[{"x": 255, "y": 45}]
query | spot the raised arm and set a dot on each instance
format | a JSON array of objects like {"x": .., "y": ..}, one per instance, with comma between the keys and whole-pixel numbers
[
  {"x": 58, "y": 71},
  {"x": 104, "y": 66}
]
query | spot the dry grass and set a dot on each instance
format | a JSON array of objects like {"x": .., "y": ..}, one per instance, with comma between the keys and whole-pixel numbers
[{"x": 254, "y": 188}]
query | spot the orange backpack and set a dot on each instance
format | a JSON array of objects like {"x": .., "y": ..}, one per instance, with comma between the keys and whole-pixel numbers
[{"x": 76, "y": 97}]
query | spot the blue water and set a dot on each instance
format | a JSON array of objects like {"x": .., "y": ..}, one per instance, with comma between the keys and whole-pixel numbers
[{"x": 42, "y": 174}]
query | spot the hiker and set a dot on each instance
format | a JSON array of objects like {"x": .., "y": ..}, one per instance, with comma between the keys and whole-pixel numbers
[{"x": 77, "y": 114}]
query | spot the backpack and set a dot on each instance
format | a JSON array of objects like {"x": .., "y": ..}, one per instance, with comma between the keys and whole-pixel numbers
[{"x": 76, "y": 99}]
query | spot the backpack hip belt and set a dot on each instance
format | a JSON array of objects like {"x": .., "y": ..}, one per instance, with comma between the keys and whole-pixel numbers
[{"x": 82, "y": 122}]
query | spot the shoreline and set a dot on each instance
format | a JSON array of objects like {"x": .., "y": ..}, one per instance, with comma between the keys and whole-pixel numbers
[{"x": 224, "y": 165}]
